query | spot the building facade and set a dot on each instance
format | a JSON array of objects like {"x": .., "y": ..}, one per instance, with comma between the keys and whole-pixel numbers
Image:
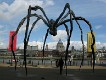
[
  {"x": 32, "y": 47},
  {"x": 60, "y": 47}
]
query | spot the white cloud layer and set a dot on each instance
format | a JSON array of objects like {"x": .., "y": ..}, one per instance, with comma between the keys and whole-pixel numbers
[
  {"x": 61, "y": 34},
  {"x": 1, "y": 27},
  {"x": 23, "y": 27},
  {"x": 20, "y": 6},
  {"x": 2, "y": 31},
  {"x": 52, "y": 45},
  {"x": 98, "y": 26},
  {"x": 3, "y": 45},
  {"x": 104, "y": 1}
]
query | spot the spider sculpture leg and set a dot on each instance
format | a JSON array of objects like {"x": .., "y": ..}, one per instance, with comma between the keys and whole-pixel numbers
[
  {"x": 56, "y": 24},
  {"x": 13, "y": 52},
  {"x": 68, "y": 43},
  {"x": 32, "y": 28},
  {"x": 37, "y": 7},
  {"x": 44, "y": 43},
  {"x": 30, "y": 33},
  {"x": 26, "y": 39},
  {"x": 92, "y": 46},
  {"x": 81, "y": 40},
  {"x": 45, "y": 21},
  {"x": 68, "y": 39},
  {"x": 81, "y": 37},
  {"x": 69, "y": 33},
  {"x": 90, "y": 26},
  {"x": 71, "y": 12},
  {"x": 41, "y": 9},
  {"x": 67, "y": 6},
  {"x": 20, "y": 24}
]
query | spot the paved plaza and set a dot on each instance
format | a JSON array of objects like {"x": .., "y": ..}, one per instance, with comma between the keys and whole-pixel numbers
[{"x": 52, "y": 73}]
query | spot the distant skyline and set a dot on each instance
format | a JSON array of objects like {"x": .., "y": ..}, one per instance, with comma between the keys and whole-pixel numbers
[{"x": 12, "y": 11}]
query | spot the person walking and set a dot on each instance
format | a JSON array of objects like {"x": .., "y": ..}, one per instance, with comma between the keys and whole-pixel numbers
[{"x": 61, "y": 63}]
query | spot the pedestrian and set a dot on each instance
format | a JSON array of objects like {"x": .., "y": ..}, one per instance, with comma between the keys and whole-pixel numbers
[
  {"x": 57, "y": 63},
  {"x": 61, "y": 63}
]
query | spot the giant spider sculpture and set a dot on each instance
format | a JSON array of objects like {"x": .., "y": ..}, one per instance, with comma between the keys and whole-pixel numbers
[{"x": 52, "y": 29}]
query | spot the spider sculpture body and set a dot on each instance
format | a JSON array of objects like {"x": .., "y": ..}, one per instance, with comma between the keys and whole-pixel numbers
[{"x": 52, "y": 29}]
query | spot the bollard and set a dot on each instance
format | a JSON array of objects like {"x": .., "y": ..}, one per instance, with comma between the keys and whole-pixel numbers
[
  {"x": 32, "y": 63},
  {"x": 9, "y": 61},
  {"x": 88, "y": 63},
  {"x": 44, "y": 62},
  {"x": 51, "y": 62},
  {"x": 38, "y": 62},
  {"x": 3, "y": 61},
  {"x": 76, "y": 63},
  {"x": 20, "y": 63}
]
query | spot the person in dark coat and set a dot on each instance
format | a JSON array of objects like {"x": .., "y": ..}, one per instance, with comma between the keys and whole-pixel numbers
[{"x": 61, "y": 63}]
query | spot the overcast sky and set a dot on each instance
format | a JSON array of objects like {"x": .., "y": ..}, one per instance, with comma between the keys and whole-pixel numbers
[{"x": 12, "y": 11}]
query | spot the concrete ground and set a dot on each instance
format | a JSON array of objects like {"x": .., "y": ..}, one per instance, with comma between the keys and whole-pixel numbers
[{"x": 52, "y": 73}]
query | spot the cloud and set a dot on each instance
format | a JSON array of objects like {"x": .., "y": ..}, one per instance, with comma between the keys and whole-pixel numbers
[
  {"x": 77, "y": 44},
  {"x": 32, "y": 43},
  {"x": 20, "y": 6},
  {"x": 2, "y": 30},
  {"x": 100, "y": 45},
  {"x": 98, "y": 26},
  {"x": 90, "y": 8},
  {"x": 23, "y": 27},
  {"x": 49, "y": 2},
  {"x": 61, "y": 34},
  {"x": 52, "y": 45},
  {"x": 104, "y": 1},
  {"x": 3, "y": 45},
  {"x": 38, "y": 24},
  {"x": 1, "y": 27}
]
